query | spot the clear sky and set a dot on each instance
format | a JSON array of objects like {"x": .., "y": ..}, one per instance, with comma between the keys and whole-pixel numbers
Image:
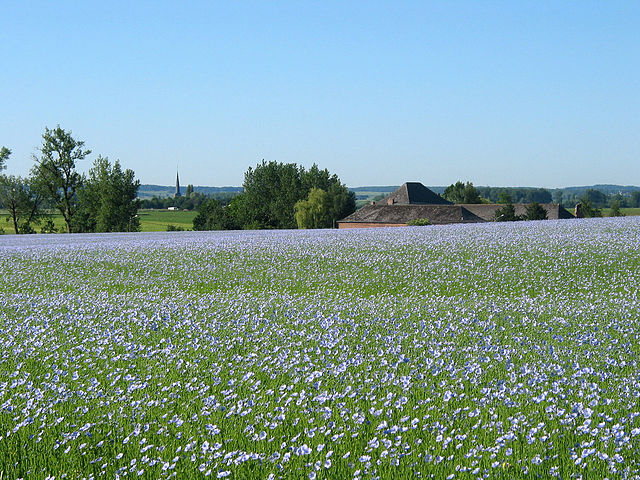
[{"x": 520, "y": 93}]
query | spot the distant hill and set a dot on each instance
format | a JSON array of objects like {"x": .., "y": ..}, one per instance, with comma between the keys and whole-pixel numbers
[
  {"x": 604, "y": 188},
  {"x": 369, "y": 192}
]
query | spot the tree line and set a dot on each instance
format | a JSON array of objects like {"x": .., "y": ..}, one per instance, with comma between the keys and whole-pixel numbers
[
  {"x": 189, "y": 201},
  {"x": 279, "y": 195},
  {"x": 104, "y": 200},
  {"x": 591, "y": 202}
]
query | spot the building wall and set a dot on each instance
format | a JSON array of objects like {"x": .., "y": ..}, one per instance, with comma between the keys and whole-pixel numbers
[{"x": 368, "y": 225}]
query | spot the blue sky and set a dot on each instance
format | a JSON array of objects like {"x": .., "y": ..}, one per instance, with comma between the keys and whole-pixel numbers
[{"x": 498, "y": 93}]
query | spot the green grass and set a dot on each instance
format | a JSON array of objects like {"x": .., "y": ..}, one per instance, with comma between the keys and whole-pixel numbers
[
  {"x": 158, "y": 220},
  {"x": 626, "y": 211},
  {"x": 150, "y": 220}
]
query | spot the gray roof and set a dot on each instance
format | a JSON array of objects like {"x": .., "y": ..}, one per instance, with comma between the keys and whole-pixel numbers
[
  {"x": 402, "y": 214},
  {"x": 398, "y": 214},
  {"x": 414, "y": 193}
]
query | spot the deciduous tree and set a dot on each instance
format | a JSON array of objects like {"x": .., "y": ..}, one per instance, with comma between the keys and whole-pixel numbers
[
  {"x": 55, "y": 171},
  {"x": 462, "y": 193},
  {"x": 22, "y": 202},
  {"x": 107, "y": 199},
  {"x": 315, "y": 210},
  {"x": 212, "y": 216}
]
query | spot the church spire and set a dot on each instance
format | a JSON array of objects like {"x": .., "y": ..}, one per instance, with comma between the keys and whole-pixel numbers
[{"x": 177, "y": 194}]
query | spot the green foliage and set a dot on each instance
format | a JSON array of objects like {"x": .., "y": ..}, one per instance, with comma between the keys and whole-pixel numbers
[
  {"x": 462, "y": 193},
  {"x": 588, "y": 209},
  {"x": 107, "y": 199},
  {"x": 518, "y": 194},
  {"x": 615, "y": 210},
  {"x": 315, "y": 210},
  {"x": 634, "y": 201},
  {"x": 535, "y": 211},
  {"x": 272, "y": 189},
  {"x": 507, "y": 213},
  {"x": 212, "y": 216},
  {"x": 4, "y": 156},
  {"x": 190, "y": 201},
  {"x": 55, "y": 171},
  {"x": 189, "y": 191},
  {"x": 22, "y": 201},
  {"x": 174, "y": 228},
  {"x": 48, "y": 226},
  {"x": 595, "y": 198},
  {"x": 419, "y": 222},
  {"x": 505, "y": 197}
]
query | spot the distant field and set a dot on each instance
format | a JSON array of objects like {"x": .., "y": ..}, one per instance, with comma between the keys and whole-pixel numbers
[
  {"x": 150, "y": 220},
  {"x": 158, "y": 220},
  {"x": 627, "y": 211}
]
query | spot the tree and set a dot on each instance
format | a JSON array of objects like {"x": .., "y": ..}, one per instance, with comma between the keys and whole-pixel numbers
[
  {"x": 635, "y": 199},
  {"x": 595, "y": 197},
  {"x": 22, "y": 202},
  {"x": 107, "y": 199},
  {"x": 505, "y": 198},
  {"x": 189, "y": 191},
  {"x": 19, "y": 197},
  {"x": 588, "y": 209},
  {"x": 615, "y": 209},
  {"x": 212, "y": 216},
  {"x": 4, "y": 156},
  {"x": 462, "y": 193},
  {"x": 55, "y": 171},
  {"x": 507, "y": 213},
  {"x": 271, "y": 191},
  {"x": 315, "y": 210},
  {"x": 535, "y": 211}
]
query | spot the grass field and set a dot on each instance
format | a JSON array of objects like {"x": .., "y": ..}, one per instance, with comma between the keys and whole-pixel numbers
[
  {"x": 462, "y": 351},
  {"x": 150, "y": 220},
  {"x": 158, "y": 220}
]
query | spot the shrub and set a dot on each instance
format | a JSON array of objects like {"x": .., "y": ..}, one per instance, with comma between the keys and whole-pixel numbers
[{"x": 419, "y": 222}]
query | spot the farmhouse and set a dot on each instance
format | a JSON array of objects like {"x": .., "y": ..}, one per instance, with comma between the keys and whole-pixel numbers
[{"x": 413, "y": 201}]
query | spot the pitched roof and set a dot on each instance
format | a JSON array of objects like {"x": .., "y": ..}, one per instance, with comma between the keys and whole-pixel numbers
[
  {"x": 414, "y": 193},
  {"x": 402, "y": 214},
  {"x": 399, "y": 214}
]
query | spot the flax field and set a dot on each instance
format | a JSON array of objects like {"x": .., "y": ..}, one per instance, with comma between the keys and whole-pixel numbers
[{"x": 502, "y": 350}]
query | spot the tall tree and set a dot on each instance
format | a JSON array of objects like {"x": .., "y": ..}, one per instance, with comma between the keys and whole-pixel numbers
[
  {"x": 107, "y": 199},
  {"x": 272, "y": 189},
  {"x": 55, "y": 171}
]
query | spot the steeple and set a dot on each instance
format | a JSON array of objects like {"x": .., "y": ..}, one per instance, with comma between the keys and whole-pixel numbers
[{"x": 177, "y": 194}]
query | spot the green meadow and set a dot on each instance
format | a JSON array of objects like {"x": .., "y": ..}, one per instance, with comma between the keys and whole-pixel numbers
[{"x": 150, "y": 220}]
